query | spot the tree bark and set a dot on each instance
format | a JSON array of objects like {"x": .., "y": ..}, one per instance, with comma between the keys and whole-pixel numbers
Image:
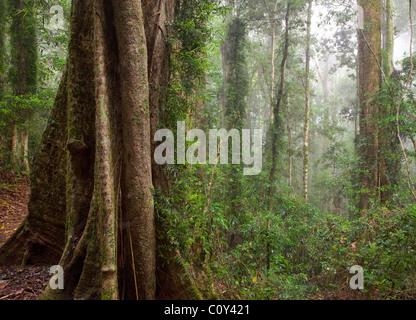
[
  {"x": 136, "y": 141},
  {"x": 172, "y": 273},
  {"x": 369, "y": 57}
]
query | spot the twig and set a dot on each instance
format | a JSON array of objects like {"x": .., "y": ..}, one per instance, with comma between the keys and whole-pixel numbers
[
  {"x": 9, "y": 295},
  {"x": 134, "y": 268},
  {"x": 157, "y": 13}
]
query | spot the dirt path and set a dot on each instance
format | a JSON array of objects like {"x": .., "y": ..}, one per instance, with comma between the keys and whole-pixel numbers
[
  {"x": 17, "y": 283},
  {"x": 14, "y": 196}
]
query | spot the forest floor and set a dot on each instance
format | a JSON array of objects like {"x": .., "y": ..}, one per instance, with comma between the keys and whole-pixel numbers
[
  {"x": 14, "y": 194},
  {"x": 17, "y": 283},
  {"x": 28, "y": 283}
]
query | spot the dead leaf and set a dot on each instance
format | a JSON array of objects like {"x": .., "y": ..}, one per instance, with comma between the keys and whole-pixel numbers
[{"x": 3, "y": 284}]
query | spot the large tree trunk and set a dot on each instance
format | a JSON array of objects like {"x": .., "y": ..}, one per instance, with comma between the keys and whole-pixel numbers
[
  {"x": 91, "y": 205},
  {"x": 91, "y": 141},
  {"x": 107, "y": 185},
  {"x": 369, "y": 58},
  {"x": 109, "y": 192}
]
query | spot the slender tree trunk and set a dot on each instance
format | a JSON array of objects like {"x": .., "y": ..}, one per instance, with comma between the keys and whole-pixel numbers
[
  {"x": 307, "y": 104},
  {"x": 276, "y": 124},
  {"x": 273, "y": 61},
  {"x": 236, "y": 89},
  {"x": 273, "y": 66},
  {"x": 289, "y": 139},
  {"x": 277, "y": 106},
  {"x": 324, "y": 77},
  {"x": 20, "y": 147}
]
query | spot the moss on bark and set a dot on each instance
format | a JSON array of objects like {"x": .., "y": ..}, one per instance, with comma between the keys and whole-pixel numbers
[{"x": 91, "y": 208}]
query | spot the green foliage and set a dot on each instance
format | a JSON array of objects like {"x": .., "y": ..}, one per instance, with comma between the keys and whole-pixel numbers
[
  {"x": 221, "y": 68},
  {"x": 382, "y": 242},
  {"x": 192, "y": 41},
  {"x": 32, "y": 57},
  {"x": 17, "y": 110},
  {"x": 190, "y": 38},
  {"x": 313, "y": 252},
  {"x": 183, "y": 213},
  {"x": 53, "y": 42},
  {"x": 215, "y": 213}
]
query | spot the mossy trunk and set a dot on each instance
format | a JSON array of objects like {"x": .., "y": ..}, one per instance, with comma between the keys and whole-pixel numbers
[
  {"x": 91, "y": 206},
  {"x": 389, "y": 167}
]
